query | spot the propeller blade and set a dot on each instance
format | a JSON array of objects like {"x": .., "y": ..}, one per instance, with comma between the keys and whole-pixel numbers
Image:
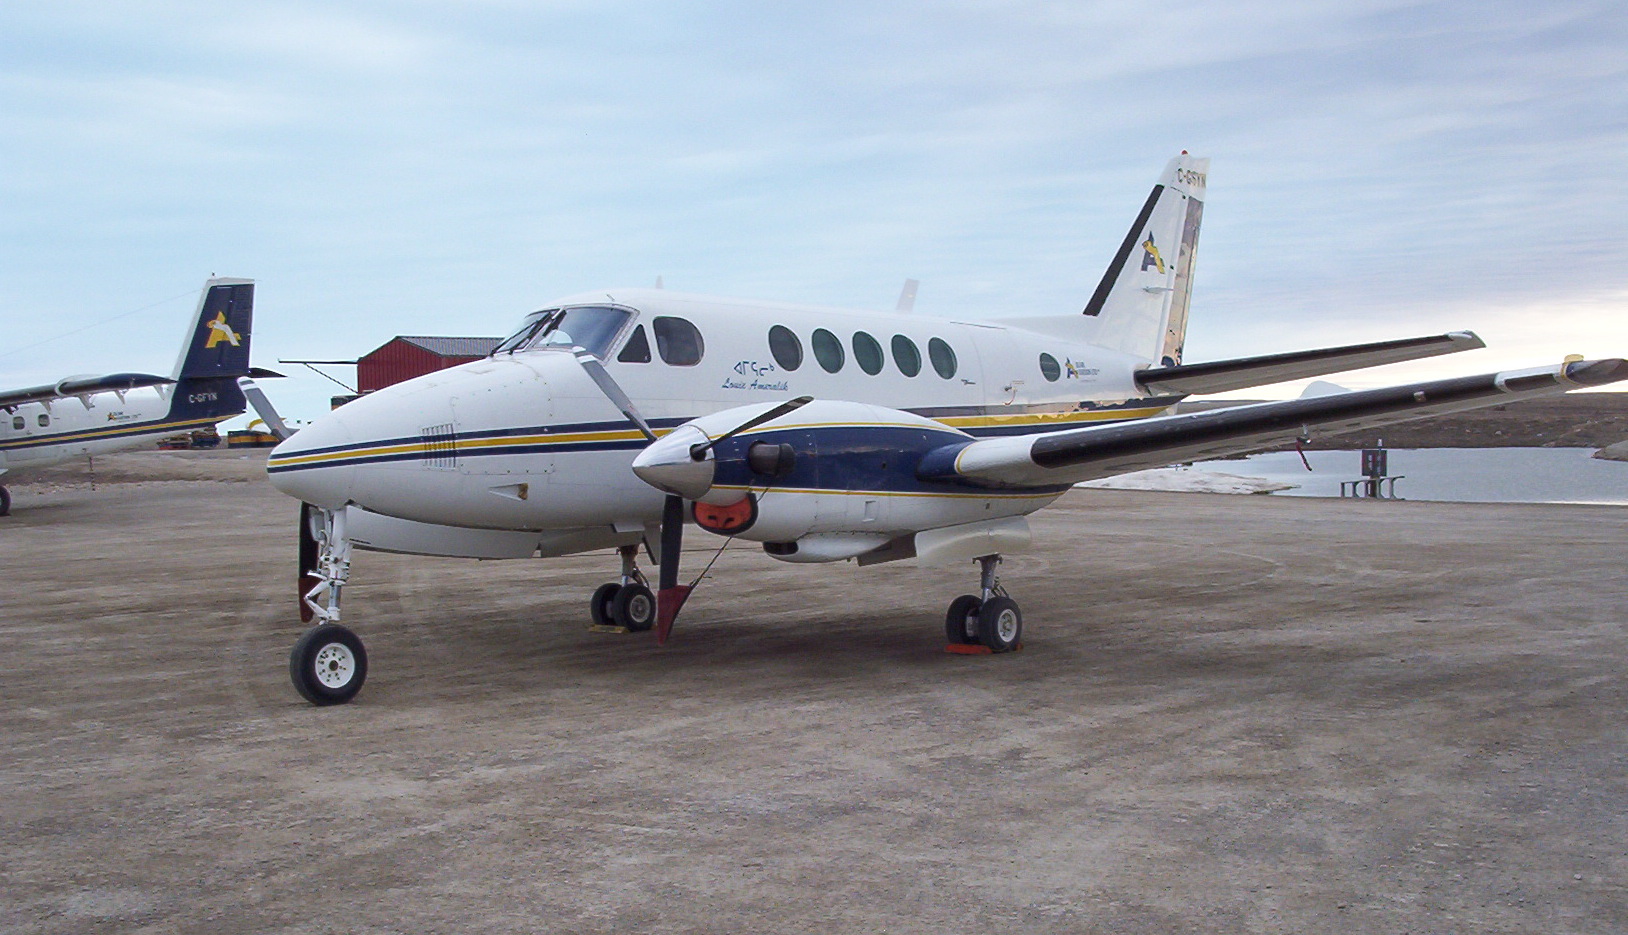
[
  {"x": 670, "y": 595},
  {"x": 308, "y": 560},
  {"x": 263, "y": 407},
  {"x": 699, "y": 451},
  {"x": 607, "y": 385}
]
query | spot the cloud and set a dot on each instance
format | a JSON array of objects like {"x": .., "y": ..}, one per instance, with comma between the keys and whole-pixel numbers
[{"x": 1380, "y": 168}]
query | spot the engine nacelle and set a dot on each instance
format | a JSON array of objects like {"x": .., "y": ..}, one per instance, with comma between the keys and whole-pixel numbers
[{"x": 829, "y": 481}]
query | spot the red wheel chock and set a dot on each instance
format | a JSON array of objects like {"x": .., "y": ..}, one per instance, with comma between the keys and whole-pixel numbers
[{"x": 974, "y": 649}]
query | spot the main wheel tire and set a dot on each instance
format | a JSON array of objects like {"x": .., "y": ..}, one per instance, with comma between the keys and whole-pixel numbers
[
  {"x": 328, "y": 665},
  {"x": 634, "y": 608},
  {"x": 961, "y": 623},
  {"x": 5, "y": 502},
  {"x": 599, "y": 606},
  {"x": 1000, "y": 624}
]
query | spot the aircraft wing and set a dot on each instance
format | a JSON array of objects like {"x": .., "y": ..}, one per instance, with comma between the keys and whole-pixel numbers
[
  {"x": 80, "y": 387},
  {"x": 1074, "y": 455},
  {"x": 1224, "y": 375}
]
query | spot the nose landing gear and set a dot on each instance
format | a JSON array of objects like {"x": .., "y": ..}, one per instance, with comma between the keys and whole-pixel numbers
[
  {"x": 627, "y": 604},
  {"x": 328, "y": 663},
  {"x": 988, "y": 621}
]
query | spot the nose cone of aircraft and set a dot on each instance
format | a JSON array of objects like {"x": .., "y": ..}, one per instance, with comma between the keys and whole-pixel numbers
[
  {"x": 668, "y": 466},
  {"x": 311, "y": 465}
]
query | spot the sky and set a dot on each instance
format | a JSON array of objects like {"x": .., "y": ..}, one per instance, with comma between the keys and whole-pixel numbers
[{"x": 1379, "y": 169}]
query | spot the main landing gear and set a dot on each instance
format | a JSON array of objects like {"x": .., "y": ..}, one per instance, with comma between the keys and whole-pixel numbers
[
  {"x": 628, "y": 603},
  {"x": 5, "y": 502},
  {"x": 328, "y": 664},
  {"x": 989, "y": 619}
]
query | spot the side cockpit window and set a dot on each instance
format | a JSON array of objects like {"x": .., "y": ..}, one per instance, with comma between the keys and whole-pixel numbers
[
  {"x": 678, "y": 341},
  {"x": 637, "y": 348}
]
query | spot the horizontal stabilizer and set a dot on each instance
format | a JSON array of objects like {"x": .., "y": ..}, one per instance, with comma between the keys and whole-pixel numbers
[
  {"x": 81, "y": 387},
  {"x": 263, "y": 408},
  {"x": 1225, "y": 375},
  {"x": 1071, "y": 456}
]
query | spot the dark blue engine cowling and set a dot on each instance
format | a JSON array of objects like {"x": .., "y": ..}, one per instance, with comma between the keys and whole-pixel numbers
[{"x": 843, "y": 458}]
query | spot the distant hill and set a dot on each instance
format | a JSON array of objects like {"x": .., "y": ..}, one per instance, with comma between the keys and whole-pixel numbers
[{"x": 1581, "y": 420}]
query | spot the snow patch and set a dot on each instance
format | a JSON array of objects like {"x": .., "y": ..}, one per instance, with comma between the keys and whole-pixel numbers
[
  {"x": 1187, "y": 480},
  {"x": 1617, "y": 452}
]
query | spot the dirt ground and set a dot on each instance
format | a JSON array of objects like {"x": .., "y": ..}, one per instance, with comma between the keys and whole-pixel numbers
[{"x": 1232, "y": 714}]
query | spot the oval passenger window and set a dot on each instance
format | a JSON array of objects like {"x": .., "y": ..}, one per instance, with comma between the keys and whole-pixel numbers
[
  {"x": 1049, "y": 368},
  {"x": 905, "y": 356},
  {"x": 867, "y": 353},
  {"x": 786, "y": 348},
  {"x": 942, "y": 356},
  {"x": 828, "y": 350}
]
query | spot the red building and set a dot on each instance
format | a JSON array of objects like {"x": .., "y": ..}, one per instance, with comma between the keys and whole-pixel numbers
[{"x": 404, "y": 357}]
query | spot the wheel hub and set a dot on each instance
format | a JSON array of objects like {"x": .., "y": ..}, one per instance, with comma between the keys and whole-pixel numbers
[
  {"x": 335, "y": 665},
  {"x": 1006, "y": 625}
]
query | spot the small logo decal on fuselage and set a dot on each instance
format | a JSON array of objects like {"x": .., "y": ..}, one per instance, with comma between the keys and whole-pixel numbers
[
  {"x": 757, "y": 372},
  {"x": 1077, "y": 370}
]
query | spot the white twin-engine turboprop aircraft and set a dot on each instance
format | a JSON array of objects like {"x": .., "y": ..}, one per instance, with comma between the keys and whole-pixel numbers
[
  {"x": 89, "y": 415},
  {"x": 612, "y": 419}
]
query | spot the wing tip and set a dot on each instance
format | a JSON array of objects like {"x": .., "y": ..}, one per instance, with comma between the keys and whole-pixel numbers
[{"x": 1596, "y": 372}]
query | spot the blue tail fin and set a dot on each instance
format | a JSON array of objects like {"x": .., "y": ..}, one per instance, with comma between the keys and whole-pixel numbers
[
  {"x": 218, "y": 345},
  {"x": 215, "y": 354}
]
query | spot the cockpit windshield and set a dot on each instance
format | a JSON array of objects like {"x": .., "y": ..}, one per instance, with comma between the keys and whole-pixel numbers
[{"x": 592, "y": 327}]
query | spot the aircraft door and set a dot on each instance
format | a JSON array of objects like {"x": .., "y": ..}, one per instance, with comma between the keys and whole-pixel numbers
[{"x": 1007, "y": 383}]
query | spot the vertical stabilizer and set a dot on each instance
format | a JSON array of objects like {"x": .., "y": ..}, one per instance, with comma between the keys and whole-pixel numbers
[
  {"x": 218, "y": 344},
  {"x": 215, "y": 354},
  {"x": 907, "y": 297},
  {"x": 1142, "y": 301}
]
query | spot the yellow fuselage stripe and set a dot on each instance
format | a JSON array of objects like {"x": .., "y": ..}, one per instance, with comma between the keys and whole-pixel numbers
[
  {"x": 616, "y": 435},
  {"x": 93, "y": 435}
]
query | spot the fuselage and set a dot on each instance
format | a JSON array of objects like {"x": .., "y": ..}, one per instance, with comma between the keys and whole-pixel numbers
[
  {"x": 41, "y": 434},
  {"x": 526, "y": 440}
]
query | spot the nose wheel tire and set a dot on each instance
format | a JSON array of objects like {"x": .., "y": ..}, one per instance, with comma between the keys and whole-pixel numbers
[
  {"x": 961, "y": 623},
  {"x": 599, "y": 606},
  {"x": 1000, "y": 624},
  {"x": 328, "y": 665},
  {"x": 634, "y": 607}
]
